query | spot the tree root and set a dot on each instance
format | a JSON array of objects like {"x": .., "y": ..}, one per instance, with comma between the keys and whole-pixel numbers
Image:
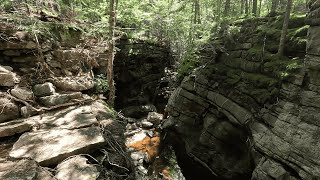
[
  {"x": 202, "y": 163},
  {"x": 43, "y": 109}
]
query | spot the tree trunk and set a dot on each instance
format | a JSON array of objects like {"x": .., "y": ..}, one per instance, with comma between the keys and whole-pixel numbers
[
  {"x": 197, "y": 19},
  {"x": 226, "y": 8},
  {"x": 254, "y": 7},
  {"x": 274, "y": 7},
  {"x": 247, "y": 7},
  {"x": 242, "y": 7},
  {"x": 219, "y": 7},
  {"x": 27, "y": 6},
  {"x": 112, "y": 24},
  {"x": 284, "y": 28},
  {"x": 260, "y": 6},
  {"x": 283, "y": 4}
]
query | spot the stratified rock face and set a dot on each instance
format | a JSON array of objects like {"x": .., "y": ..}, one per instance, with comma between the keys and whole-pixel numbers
[
  {"x": 235, "y": 114},
  {"x": 76, "y": 168},
  {"x": 51, "y": 147}
]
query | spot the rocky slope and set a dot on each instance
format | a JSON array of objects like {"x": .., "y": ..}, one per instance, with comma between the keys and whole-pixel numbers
[
  {"x": 50, "y": 128},
  {"x": 249, "y": 114}
]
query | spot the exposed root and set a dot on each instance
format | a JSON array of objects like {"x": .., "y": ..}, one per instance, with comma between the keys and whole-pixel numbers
[
  {"x": 202, "y": 163},
  {"x": 106, "y": 156},
  {"x": 43, "y": 109}
]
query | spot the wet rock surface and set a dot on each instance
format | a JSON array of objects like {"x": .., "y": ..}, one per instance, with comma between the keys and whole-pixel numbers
[{"x": 150, "y": 158}]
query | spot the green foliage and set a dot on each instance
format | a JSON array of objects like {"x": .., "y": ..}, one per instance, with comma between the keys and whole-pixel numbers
[
  {"x": 101, "y": 84},
  {"x": 282, "y": 67}
]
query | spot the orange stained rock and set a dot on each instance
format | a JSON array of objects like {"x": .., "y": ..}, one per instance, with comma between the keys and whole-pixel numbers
[
  {"x": 149, "y": 146},
  {"x": 166, "y": 174}
]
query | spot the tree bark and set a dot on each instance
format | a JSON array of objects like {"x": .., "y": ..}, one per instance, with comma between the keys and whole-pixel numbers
[
  {"x": 218, "y": 12},
  {"x": 247, "y": 7},
  {"x": 254, "y": 7},
  {"x": 284, "y": 28},
  {"x": 112, "y": 24},
  {"x": 242, "y": 7},
  {"x": 197, "y": 19},
  {"x": 274, "y": 7},
  {"x": 260, "y": 6},
  {"x": 283, "y": 4},
  {"x": 226, "y": 8}
]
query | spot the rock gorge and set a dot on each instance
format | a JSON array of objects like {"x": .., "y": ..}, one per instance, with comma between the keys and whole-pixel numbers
[{"x": 245, "y": 114}]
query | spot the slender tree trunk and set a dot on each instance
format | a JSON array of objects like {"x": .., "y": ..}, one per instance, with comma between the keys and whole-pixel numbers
[
  {"x": 112, "y": 24},
  {"x": 283, "y": 4},
  {"x": 274, "y": 7},
  {"x": 247, "y": 7},
  {"x": 260, "y": 6},
  {"x": 219, "y": 6},
  {"x": 27, "y": 6},
  {"x": 226, "y": 8},
  {"x": 284, "y": 28},
  {"x": 254, "y": 7},
  {"x": 197, "y": 19},
  {"x": 242, "y": 7}
]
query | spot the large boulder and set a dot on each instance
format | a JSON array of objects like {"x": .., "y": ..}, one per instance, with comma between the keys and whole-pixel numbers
[
  {"x": 57, "y": 99},
  {"x": 45, "y": 89},
  {"x": 21, "y": 93},
  {"x": 74, "y": 83},
  {"x": 23, "y": 169},
  {"x": 70, "y": 118},
  {"x": 313, "y": 44},
  {"x": 9, "y": 110},
  {"x": 155, "y": 118},
  {"x": 17, "y": 126},
  {"x": 8, "y": 78},
  {"x": 138, "y": 111},
  {"x": 76, "y": 168},
  {"x": 53, "y": 146}
]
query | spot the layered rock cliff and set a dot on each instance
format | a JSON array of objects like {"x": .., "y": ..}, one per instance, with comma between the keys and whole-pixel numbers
[{"x": 249, "y": 114}]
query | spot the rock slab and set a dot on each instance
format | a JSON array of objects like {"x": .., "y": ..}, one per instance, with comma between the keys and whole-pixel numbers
[
  {"x": 23, "y": 94},
  {"x": 17, "y": 126},
  {"x": 23, "y": 169},
  {"x": 8, "y": 109},
  {"x": 8, "y": 79},
  {"x": 45, "y": 89},
  {"x": 57, "y": 99},
  {"x": 51, "y": 147},
  {"x": 76, "y": 168}
]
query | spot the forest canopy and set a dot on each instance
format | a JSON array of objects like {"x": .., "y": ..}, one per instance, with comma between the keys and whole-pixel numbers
[{"x": 184, "y": 25}]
